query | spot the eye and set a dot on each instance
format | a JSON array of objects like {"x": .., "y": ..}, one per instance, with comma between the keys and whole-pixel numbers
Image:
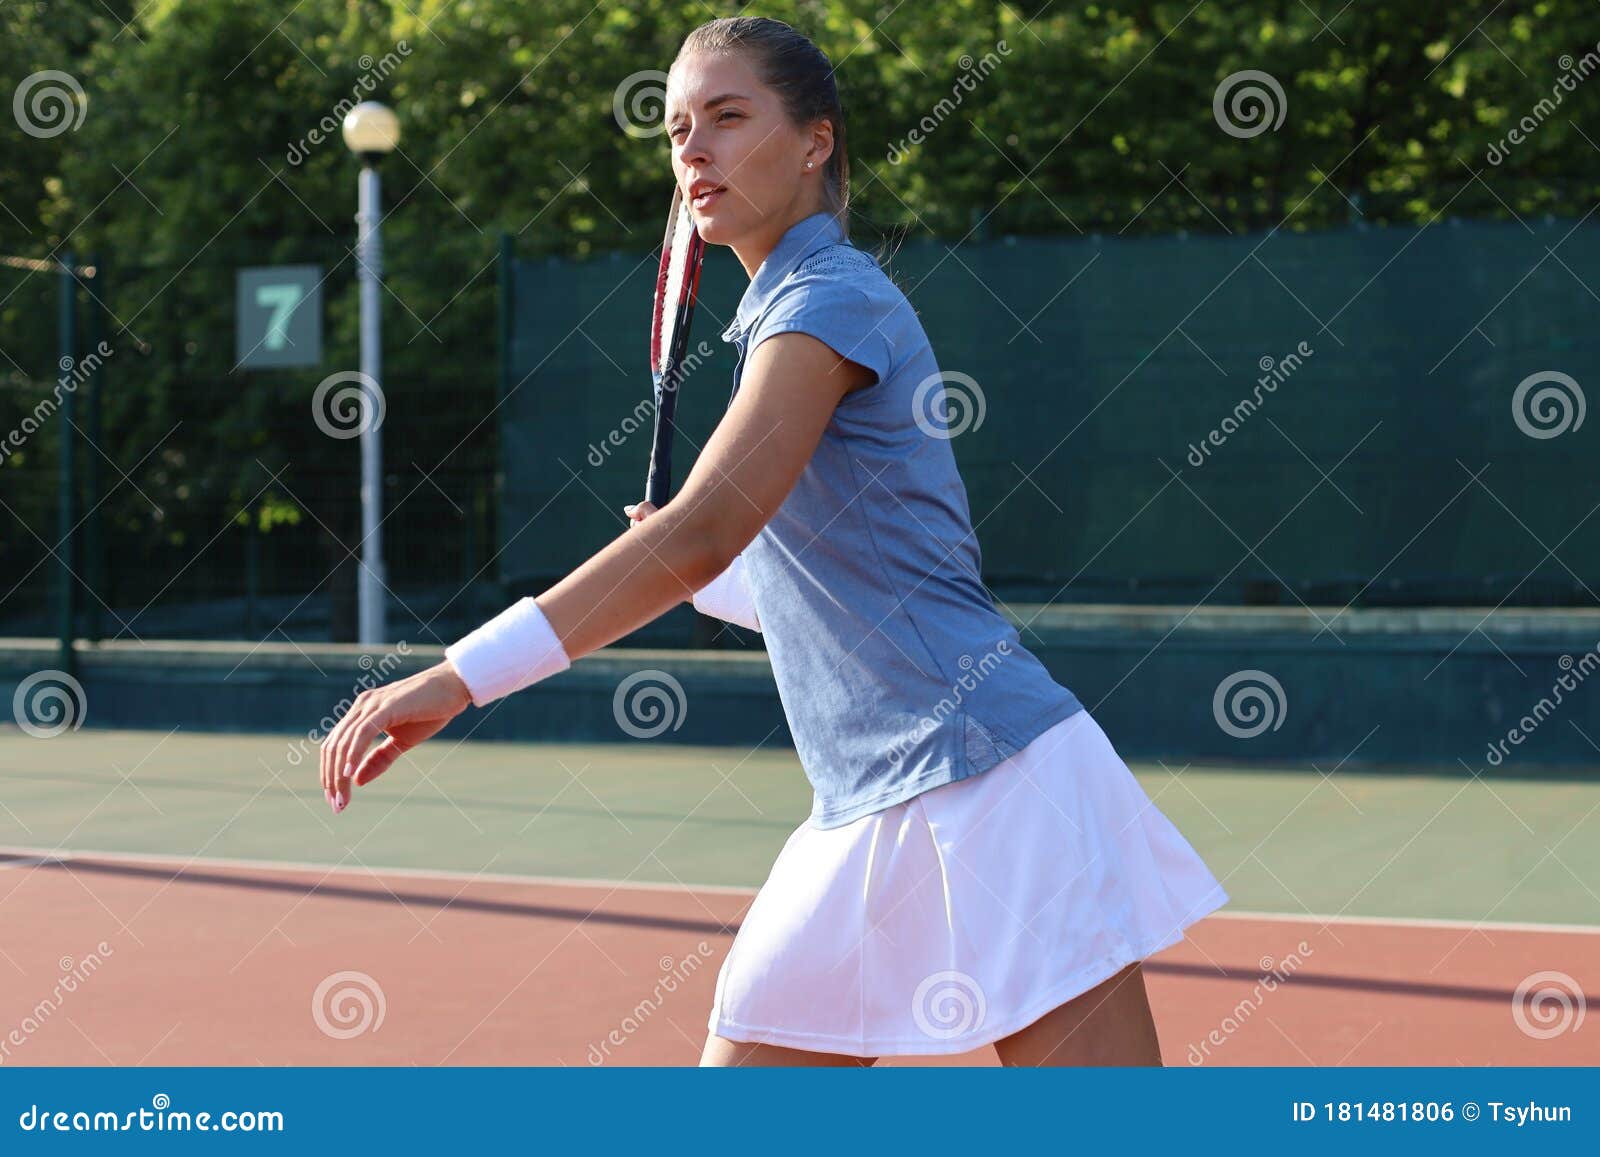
[
  {"x": 729, "y": 113},
  {"x": 677, "y": 129}
]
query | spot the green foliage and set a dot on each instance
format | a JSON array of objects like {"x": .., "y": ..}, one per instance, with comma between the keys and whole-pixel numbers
[
  {"x": 1096, "y": 117},
  {"x": 198, "y": 155}
]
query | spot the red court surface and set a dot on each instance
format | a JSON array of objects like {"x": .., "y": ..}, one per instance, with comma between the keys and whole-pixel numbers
[{"x": 231, "y": 964}]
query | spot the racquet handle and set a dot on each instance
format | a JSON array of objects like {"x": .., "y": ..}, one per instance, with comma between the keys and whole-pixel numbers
[{"x": 658, "y": 480}]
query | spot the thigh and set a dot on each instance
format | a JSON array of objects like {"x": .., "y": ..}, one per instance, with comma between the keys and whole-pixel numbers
[
  {"x": 723, "y": 1053},
  {"x": 1110, "y": 1024}
]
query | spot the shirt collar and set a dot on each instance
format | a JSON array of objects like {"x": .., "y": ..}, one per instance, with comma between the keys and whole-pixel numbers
[{"x": 802, "y": 239}]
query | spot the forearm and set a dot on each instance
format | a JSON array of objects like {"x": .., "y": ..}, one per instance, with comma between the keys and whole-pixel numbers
[
  {"x": 634, "y": 579},
  {"x": 742, "y": 476}
]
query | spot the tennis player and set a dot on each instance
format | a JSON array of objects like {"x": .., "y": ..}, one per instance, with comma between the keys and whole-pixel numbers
[{"x": 979, "y": 865}]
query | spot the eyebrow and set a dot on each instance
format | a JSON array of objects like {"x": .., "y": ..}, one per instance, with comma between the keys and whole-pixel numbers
[{"x": 713, "y": 102}]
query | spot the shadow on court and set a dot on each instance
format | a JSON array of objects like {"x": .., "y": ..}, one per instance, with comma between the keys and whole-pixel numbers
[{"x": 150, "y": 961}]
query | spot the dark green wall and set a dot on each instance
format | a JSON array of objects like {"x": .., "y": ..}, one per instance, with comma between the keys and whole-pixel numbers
[
  {"x": 1352, "y": 689},
  {"x": 1387, "y": 468}
]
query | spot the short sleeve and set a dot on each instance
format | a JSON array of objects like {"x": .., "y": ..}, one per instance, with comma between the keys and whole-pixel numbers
[{"x": 830, "y": 303}]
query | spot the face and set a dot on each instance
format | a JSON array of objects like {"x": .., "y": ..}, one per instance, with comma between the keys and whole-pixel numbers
[{"x": 738, "y": 159}]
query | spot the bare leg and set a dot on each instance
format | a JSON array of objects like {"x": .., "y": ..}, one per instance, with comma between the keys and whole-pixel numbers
[
  {"x": 1108, "y": 1025},
  {"x": 722, "y": 1053}
]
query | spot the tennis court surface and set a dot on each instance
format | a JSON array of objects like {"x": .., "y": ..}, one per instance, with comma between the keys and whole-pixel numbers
[{"x": 188, "y": 899}]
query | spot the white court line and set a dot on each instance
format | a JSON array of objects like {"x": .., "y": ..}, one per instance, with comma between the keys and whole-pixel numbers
[
  {"x": 44, "y": 854},
  {"x": 37, "y": 856},
  {"x": 1413, "y": 922}
]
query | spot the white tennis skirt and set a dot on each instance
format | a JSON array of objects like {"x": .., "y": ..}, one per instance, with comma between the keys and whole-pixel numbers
[{"x": 965, "y": 913}]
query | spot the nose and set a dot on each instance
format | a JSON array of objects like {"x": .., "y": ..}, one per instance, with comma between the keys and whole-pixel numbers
[{"x": 694, "y": 149}]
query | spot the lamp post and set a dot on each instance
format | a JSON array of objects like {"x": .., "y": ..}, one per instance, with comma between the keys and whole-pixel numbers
[{"x": 371, "y": 130}]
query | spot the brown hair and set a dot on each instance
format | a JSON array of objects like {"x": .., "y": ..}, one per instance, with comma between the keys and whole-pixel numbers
[{"x": 801, "y": 74}]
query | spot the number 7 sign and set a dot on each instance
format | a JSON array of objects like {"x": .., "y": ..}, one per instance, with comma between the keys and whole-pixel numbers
[{"x": 279, "y": 317}]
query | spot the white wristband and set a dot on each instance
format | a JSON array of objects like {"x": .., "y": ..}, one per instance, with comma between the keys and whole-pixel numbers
[
  {"x": 727, "y": 597},
  {"x": 513, "y": 650}
]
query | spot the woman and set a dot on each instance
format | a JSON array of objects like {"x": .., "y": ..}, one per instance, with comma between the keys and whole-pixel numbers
[{"x": 979, "y": 865}]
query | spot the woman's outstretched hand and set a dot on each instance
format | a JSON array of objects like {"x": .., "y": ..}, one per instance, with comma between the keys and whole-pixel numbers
[{"x": 403, "y": 713}]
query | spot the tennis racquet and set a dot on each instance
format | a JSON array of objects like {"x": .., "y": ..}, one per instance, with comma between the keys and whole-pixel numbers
[{"x": 682, "y": 251}]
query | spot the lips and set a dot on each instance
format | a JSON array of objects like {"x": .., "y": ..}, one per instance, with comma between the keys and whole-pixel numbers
[{"x": 702, "y": 193}]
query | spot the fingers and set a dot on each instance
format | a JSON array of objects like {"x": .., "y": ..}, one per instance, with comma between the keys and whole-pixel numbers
[
  {"x": 326, "y": 757},
  {"x": 383, "y": 724},
  {"x": 362, "y": 735},
  {"x": 345, "y": 744},
  {"x": 377, "y": 761},
  {"x": 325, "y": 764},
  {"x": 637, "y": 512}
]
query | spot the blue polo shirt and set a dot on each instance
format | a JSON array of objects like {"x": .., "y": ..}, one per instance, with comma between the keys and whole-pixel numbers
[{"x": 896, "y": 671}]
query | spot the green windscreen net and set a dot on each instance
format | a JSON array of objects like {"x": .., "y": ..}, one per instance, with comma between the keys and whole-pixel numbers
[{"x": 1371, "y": 415}]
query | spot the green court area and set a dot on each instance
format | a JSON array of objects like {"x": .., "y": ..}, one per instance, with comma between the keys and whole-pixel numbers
[{"x": 1397, "y": 842}]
